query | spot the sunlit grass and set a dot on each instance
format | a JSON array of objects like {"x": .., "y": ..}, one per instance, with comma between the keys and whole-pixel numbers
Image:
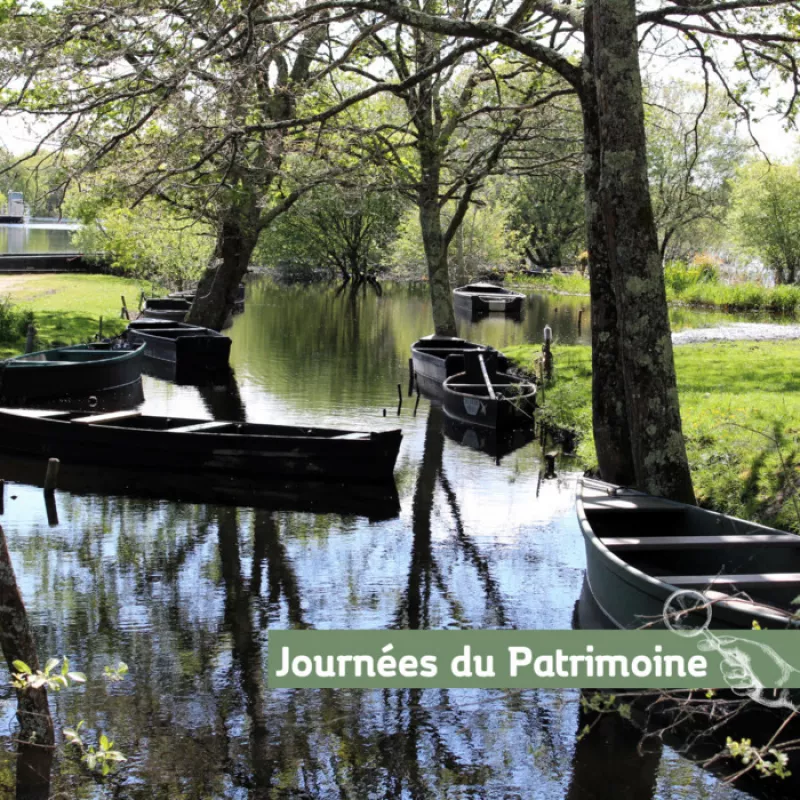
[
  {"x": 66, "y": 307},
  {"x": 740, "y": 404}
]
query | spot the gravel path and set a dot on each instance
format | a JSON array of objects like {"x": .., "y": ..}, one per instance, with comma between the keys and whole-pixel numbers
[{"x": 738, "y": 331}]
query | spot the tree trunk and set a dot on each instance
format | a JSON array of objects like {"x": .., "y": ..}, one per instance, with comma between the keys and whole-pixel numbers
[
  {"x": 609, "y": 412},
  {"x": 33, "y": 711},
  {"x": 219, "y": 286},
  {"x": 444, "y": 320},
  {"x": 651, "y": 393}
]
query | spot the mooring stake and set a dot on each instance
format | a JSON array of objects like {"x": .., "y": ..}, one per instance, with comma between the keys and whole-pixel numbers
[
  {"x": 410, "y": 377},
  {"x": 547, "y": 356},
  {"x": 2, "y": 496},
  {"x": 30, "y": 339},
  {"x": 51, "y": 476}
]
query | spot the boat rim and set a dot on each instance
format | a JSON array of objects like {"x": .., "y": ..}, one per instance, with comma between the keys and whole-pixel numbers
[{"x": 118, "y": 355}]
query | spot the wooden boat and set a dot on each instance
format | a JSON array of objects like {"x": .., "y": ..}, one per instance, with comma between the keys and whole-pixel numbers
[
  {"x": 482, "y": 396},
  {"x": 435, "y": 358},
  {"x": 177, "y": 443},
  {"x": 640, "y": 550},
  {"x": 485, "y": 298},
  {"x": 73, "y": 373},
  {"x": 189, "y": 347},
  {"x": 173, "y": 309},
  {"x": 375, "y": 501}
]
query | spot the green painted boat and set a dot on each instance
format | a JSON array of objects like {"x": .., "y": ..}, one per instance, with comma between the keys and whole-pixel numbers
[{"x": 651, "y": 562}]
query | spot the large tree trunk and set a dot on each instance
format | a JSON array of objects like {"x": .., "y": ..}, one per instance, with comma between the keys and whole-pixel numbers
[
  {"x": 651, "y": 393},
  {"x": 33, "y": 711},
  {"x": 219, "y": 286},
  {"x": 433, "y": 240},
  {"x": 609, "y": 412}
]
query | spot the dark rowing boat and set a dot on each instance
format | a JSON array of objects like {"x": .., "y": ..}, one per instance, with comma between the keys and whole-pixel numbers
[
  {"x": 484, "y": 298},
  {"x": 435, "y": 358},
  {"x": 173, "y": 309},
  {"x": 483, "y": 396},
  {"x": 641, "y": 550},
  {"x": 376, "y": 501},
  {"x": 70, "y": 374},
  {"x": 189, "y": 347},
  {"x": 189, "y": 295},
  {"x": 175, "y": 443}
]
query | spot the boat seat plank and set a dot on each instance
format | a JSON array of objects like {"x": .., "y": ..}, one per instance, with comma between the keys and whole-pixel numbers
[
  {"x": 641, "y": 543},
  {"x": 200, "y": 427},
  {"x": 745, "y": 604},
  {"x": 354, "y": 436},
  {"x": 741, "y": 581},
  {"x": 607, "y": 502},
  {"x": 112, "y": 416}
]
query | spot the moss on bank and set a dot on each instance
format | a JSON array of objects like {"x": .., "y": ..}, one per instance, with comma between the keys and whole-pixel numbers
[
  {"x": 740, "y": 404},
  {"x": 66, "y": 307}
]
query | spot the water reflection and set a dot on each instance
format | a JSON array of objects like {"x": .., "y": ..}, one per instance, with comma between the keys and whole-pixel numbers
[
  {"x": 36, "y": 238},
  {"x": 184, "y": 591}
]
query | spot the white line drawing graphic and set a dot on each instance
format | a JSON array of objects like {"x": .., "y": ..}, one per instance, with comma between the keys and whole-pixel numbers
[{"x": 683, "y": 607}]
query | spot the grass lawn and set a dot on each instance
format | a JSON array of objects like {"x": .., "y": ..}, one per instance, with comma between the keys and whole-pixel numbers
[
  {"x": 67, "y": 307},
  {"x": 740, "y": 405}
]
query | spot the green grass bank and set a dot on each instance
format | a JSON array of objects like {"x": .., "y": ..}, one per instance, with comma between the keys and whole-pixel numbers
[
  {"x": 740, "y": 405},
  {"x": 722, "y": 296},
  {"x": 66, "y": 308}
]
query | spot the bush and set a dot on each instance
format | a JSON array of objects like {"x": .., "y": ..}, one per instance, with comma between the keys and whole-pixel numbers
[
  {"x": 13, "y": 323},
  {"x": 680, "y": 276}
]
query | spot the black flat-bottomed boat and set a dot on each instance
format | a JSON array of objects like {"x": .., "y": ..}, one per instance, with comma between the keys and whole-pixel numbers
[
  {"x": 642, "y": 550},
  {"x": 189, "y": 347},
  {"x": 173, "y": 309},
  {"x": 484, "y": 397},
  {"x": 70, "y": 374},
  {"x": 175, "y": 443},
  {"x": 435, "y": 358},
  {"x": 485, "y": 298}
]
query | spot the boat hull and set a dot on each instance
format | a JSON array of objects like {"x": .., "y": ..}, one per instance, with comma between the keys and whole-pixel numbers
[
  {"x": 503, "y": 413},
  {"x": 435, "y": 358},
  {"x": 476, "y": 303},
  {"x": 287, "y": 452},
  {"x": 189, "y": 348},
  {"x": 73, "y": 382}
]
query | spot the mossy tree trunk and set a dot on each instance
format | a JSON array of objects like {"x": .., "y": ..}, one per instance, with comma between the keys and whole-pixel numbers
[
  {"x": 651, "y": 393},
  {"x": 609, "y": 409}
]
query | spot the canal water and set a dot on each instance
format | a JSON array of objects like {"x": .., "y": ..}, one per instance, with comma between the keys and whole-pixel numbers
[
  {"x": 185, "y": 593},
  {"x": 37, "y": 236}
]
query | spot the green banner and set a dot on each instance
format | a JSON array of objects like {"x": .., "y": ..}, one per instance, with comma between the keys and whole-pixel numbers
[{"x": 749, "y": 662}]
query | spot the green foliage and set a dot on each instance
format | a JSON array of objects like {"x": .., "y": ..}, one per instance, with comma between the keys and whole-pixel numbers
[
  {"x": 766, "y": 761},
  {"x": 337, "y": 229},
  {"x": 13, "y": 322},
  {"x": 26, "y": 678},
  {"x": 679, "y": 276},
  {"x": 765, "y": 216},
  {"x": 101, "y": 757},
  {"x": 149, "y": 242}
]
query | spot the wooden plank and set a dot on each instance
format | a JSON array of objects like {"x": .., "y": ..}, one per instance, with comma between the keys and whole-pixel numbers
[
  {"x": 632, "y": 502},
  {"x": 744, "y": 604},
  {"x": 486, "y": 380},
  {"x": 642, "y": 543},
  {"x": 112, "y": 416},
  {"x": 199, "y": 427},
  {"x": 741, "y": 581},
  {"x": 354, "y": 436}
]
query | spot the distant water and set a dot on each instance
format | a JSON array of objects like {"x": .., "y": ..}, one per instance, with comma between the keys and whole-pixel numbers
[{"x": 37, "y": 236}]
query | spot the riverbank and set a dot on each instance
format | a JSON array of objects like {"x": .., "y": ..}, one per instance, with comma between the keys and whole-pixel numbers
[
  {"x": 740, "y": 404},
  {"x": 66, "y": 307},
  {"x": 722, "y": 296}
]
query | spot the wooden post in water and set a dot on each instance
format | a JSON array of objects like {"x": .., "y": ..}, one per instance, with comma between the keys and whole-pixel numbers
[
  {"x": 30, "y": 340},
  {"x": 51, "y": 476},
  {"x": 410, "y": 376},
  {"x": 549, "y": 465},
  {"x": 399, "y": 398},
  {"x": 547, "y": 355},
  {"x": 2, "y": 496}
]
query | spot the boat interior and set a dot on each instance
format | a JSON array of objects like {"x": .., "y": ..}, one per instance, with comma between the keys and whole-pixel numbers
[
  {"x": 74, "y": 355},
  {"x": 175, "y": 333},
  {"x": 137, "y": 420},
  {"x": 482, "y": 378},
  {"x": 167, "y": 303},
  {"x": 696, "y": 549},
  {"x": 485, "y": 288}
]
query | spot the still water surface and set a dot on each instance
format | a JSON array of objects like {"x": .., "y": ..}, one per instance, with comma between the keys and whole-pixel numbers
[
  {"x": 185, "y": 593},
  {"x": 37, "y": 237}
]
